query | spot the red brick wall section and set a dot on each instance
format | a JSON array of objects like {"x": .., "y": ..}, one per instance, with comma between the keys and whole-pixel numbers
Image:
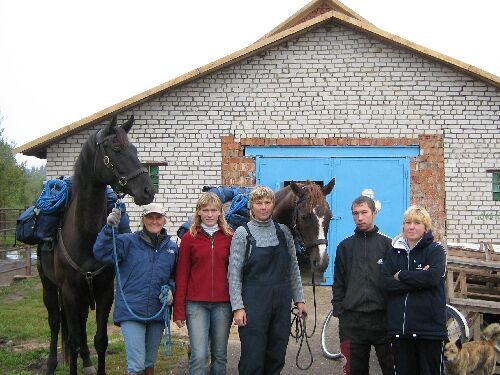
[
  {"x": 426, "y": 170},
  {"x": 428, "y": 183},
  {"x": 236, "y": 169}
]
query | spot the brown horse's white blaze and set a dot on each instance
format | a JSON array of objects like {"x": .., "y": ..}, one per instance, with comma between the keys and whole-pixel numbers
[{"x": 323, "y": 259}]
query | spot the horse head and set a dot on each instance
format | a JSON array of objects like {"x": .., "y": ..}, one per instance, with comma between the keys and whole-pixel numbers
[
  {"x": 311, "y": 220},
  {"x": 117, "y": 163}
]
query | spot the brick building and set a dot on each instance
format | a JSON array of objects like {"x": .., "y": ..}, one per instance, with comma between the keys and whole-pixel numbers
[{"x": 325, "y": 77}]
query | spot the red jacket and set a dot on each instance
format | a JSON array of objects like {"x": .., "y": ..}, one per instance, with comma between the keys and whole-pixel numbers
[{"x": 201, "y": 273}]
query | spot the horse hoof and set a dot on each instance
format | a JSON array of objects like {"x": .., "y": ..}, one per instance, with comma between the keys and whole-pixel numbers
[{"x": 89, "y": 370}]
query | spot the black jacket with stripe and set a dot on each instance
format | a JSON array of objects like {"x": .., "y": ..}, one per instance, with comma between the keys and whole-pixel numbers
[
  {"x": 358, "y": 268},
  {"x": 416, "y": 302}
]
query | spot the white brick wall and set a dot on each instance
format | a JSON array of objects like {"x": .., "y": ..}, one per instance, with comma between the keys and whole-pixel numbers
[{"x": 330, "y": 82}]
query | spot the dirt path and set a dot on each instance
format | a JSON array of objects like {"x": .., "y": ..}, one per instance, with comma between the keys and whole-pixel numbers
[
  {"x": 11, "y": 268},
  {"x": 320, "y": 364}
]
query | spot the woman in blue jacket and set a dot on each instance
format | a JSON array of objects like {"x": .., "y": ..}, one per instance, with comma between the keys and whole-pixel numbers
[
  {"x": 147, "y": 261},
  {"x": 414, "y": 274}
]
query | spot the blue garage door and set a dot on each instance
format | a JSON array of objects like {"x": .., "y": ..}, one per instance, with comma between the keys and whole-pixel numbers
[{"x": 380, "y": 172}]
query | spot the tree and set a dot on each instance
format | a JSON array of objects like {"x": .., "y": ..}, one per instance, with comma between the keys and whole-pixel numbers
[
  {"x": 35, "y": 178},
  {"x": 10, "y": 175},
  {"x": 19, "y": 186}
]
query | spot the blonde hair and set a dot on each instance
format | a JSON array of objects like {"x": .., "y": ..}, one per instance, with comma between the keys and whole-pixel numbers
[
  {"x": 259, "y": 193},
  {"x": 208, "y": 199},
  {"x": 417, "y": 214}
]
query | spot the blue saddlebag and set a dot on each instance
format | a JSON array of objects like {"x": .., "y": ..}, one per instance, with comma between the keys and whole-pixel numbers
[{"x": 33, "y": 227}]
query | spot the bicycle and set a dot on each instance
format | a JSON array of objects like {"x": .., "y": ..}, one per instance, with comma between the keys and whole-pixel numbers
[{"x": 457, "y": 325}]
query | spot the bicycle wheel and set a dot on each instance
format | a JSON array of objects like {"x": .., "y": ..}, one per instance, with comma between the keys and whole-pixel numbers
[
  {"x": 330, "y": 339},
  {"x": 457, "y": 325}
]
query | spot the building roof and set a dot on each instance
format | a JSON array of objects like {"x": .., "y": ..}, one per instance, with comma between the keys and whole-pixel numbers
[
  {"x": 311, "y": 10},
  {"x": 316, "y": 13}
]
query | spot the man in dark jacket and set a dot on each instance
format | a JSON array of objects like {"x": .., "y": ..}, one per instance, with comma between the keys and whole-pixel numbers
[{"x": 358, "y": 297}]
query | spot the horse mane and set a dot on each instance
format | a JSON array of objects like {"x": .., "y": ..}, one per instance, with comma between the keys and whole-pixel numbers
[
  {"x": 314, "y": 193},
  {"x": 84, "y": 161}
]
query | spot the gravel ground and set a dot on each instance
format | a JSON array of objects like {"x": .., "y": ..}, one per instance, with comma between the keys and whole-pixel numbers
[{"x": 320, "y": 364}]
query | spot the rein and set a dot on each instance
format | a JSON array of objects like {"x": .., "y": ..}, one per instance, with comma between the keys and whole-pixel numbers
[
  {"x": 167, "y": 338},
  {"x": 89, "y": 276},
  {"x": 300, "y": 331},
  {"x": 122, "y": 180}
]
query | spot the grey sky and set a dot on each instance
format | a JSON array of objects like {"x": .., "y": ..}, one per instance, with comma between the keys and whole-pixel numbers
[{"x": 61, "y": 61}]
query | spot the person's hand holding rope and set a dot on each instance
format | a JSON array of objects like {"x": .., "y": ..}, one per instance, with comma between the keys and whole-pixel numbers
[
  {"x": 114, "y": 217},
  {"x": 301, "y": 310}
]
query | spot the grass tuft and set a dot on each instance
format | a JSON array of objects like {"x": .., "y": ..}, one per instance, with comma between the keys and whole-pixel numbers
[{"x": 24, "y": 336}]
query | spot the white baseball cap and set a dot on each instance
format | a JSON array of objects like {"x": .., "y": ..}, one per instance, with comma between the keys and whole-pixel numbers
[{"x": 153, "y": 208}]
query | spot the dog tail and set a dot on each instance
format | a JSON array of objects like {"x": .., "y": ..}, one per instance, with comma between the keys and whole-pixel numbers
[{"x": 492, "y": 334}]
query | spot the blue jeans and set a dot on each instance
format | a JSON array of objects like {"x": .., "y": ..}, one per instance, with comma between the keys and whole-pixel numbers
[
  {"x": 208, "y": 319},
  {"x": 142, "y": 340}
]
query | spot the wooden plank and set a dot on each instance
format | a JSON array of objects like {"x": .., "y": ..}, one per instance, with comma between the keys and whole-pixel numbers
[
  {"x": 482, "y": 296},
  {"x": 488, "y": 292},
  {"x": 491, "y": 281},
  {"x": 473, "y": 263},
  {"x": 450, "y": 284},
  {"x": 462, "y": 284},
  {"x": 477, "y": 305},
  {"x": 475, "y": 253},
  {"x": 477, "y": 276}
]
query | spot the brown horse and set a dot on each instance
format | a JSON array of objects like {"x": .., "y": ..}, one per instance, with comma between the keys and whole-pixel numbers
[
  {"x": 302, "y": 207},
  {"x": 72, "y": 279}
]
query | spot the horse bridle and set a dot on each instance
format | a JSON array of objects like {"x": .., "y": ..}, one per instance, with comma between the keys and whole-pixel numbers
[
  {"x": 296, "y": 231},
  {"x": 122, "y": 180}
]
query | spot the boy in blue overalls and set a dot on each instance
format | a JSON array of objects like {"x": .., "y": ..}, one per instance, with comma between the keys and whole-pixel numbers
[{"x": 264, "y": 278}]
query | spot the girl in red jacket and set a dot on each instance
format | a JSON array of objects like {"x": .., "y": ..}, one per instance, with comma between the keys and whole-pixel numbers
[{"x": 202, "y": 290}]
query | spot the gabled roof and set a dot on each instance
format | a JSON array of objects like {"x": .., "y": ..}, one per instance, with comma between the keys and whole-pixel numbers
[
  {"x": 313, "y": 9},
  {"x": 287, "y": 30}
]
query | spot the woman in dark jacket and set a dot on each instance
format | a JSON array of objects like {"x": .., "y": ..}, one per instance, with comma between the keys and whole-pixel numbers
[
  {"x": 414, "y": 274},
  {"x": 202, "y": 294},
  {"x": 147, "y": 261}
]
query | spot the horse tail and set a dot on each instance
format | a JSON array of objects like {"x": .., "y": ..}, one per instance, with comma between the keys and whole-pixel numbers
[{"x": 64, "y": 331}]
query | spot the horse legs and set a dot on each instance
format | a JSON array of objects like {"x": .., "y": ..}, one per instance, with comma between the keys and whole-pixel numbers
[
  {"x": 73, "y": 318},
  {"x": 104, "y": 300},
  {"x": 88, "y": 367},
  {"x": 51, "y": 301}
]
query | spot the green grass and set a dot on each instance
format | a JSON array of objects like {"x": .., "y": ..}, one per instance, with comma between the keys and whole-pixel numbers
[
  {"x": 7, "y": 240},
  {"x": 24, "y": 335}
]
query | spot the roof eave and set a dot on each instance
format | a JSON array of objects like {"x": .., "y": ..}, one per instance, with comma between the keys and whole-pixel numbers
[{"x": 38, "y": 146}]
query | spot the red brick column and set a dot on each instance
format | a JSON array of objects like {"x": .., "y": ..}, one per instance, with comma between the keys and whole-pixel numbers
[
  {"x": 236, "y": 169},
  {"x": 428, "y": 182}
]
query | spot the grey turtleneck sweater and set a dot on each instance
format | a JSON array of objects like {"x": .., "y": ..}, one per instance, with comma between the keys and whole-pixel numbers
[{"x": 264, "y": 234}]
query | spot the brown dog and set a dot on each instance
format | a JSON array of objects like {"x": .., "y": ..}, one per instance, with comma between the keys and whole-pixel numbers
[{"x": 462, "y": 359}]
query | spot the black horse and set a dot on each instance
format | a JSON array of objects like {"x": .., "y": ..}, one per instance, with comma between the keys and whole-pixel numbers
[
  {"x": 72, "y": 279},
  {"x": 302, "y": 207}
]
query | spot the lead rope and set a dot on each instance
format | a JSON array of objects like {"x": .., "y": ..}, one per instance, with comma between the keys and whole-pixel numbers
[
  {"x": 300, "y": 331},
  {"x": 167, "y": 337}
]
